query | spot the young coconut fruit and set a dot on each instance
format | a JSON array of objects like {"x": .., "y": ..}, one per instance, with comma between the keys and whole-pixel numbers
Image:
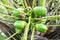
[
  {"x": 20, "y": 24},
  {"x": 18, "y": 11},
  {"x": 41, "y": 27},
  {"x": 39, "y": 11}
]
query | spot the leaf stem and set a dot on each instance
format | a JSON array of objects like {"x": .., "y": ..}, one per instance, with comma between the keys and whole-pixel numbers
[
  {"x": 33, "y": 4},
  {"x": 25, "y": 3},
  {"x": 48, "y": 17},
  {"x": 7, "y": 6},
  {"x": 32, "y": 36},
  {"x": 58, "y": 25},
  {"x": 26, "y": 31},
  {"x": 42, "y": 3},
  {"x": 12, "y": 36}
]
